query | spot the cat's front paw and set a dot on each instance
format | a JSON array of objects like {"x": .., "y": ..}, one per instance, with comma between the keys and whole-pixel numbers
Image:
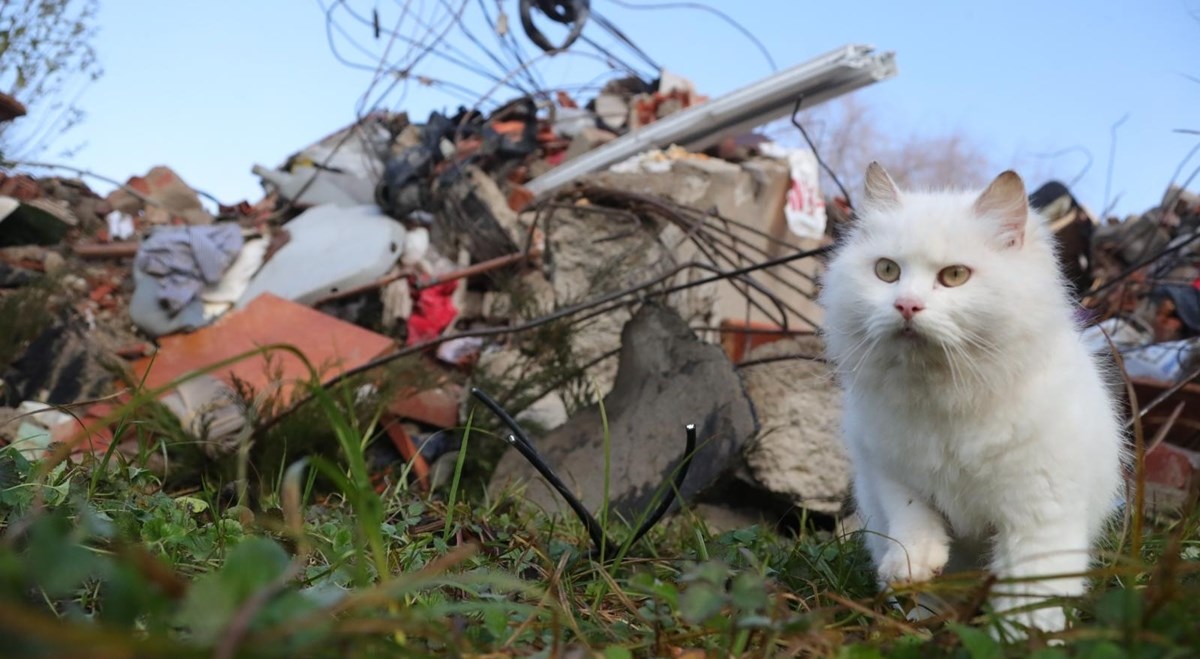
[
  {"x": 1012, "y": 625},
  {"x": 915, "y": 561}
]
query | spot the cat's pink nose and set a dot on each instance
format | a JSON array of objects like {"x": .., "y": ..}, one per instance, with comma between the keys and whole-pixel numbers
[{"x": 908, "y": 307}]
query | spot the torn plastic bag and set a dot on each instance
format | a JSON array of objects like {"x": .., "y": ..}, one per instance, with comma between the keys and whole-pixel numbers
[
  {"x": 805, "y": 208},
  {"x": 1163, "y": 362},
  {"x": 433, "y": 311},
  {"x": 404, "y": 187}
]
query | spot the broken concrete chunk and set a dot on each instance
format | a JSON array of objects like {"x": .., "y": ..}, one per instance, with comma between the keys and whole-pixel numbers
[
  {"x": 332, "y": 249},
  {"x": 667, "y": 378},
  {"x": 798, "y": 453},
  {"x": 751, "y": 194},
  {"x": 592, "y": 254}
]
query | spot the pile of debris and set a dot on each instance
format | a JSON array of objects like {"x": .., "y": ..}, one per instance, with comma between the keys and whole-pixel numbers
[
  {"x": 1138, "y": 283},
  {"x": 628, "y": 265},
  {"x": 641, "y": 277}
]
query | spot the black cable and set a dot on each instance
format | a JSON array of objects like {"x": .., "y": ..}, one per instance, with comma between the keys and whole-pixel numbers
[
  {"x": 486, "y": 51},
  {"x": 430, "y": 48},
  {"x": 699, "y": 6},
  {"x": 616, "y": 32},
  {"x": 817, "y": 153},
  {"x": 614, "y": 60},
  {"x": 600, "y": 541},
  {"x": 568, "y": 12},
  {"x": 509, "y": 44}
]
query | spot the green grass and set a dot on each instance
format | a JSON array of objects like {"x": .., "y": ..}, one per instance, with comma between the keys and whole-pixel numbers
[{"x": 100, "y": 559}]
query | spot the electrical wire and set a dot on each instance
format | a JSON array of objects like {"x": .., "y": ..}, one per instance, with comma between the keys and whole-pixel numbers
[
  {"x": 620, "y": 36},
  {"x": 699, "y": 6},
  {"x": 332, "y": 24}
]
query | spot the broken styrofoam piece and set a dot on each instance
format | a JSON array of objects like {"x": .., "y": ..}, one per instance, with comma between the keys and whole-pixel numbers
[
  {"x": 416, "y": 245},
  {"x": 669, "y": 82},
  {"x": 698, "y": 127},
  {"x": 120, "y": 225},
  {"x": 612, "y": 110},
  {"x": 570, "y": 122},
  {"x": 332, "y": 249}
]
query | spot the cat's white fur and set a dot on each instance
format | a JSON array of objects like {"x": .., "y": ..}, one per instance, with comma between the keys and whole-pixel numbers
[{"x": 989, "y": 419}]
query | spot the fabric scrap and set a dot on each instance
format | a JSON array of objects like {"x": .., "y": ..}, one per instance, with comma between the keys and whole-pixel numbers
[{"x": 187, "y": 259}]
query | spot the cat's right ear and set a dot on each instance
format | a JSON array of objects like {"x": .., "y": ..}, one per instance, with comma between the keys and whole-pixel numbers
[{"x": 881, "y": 190}]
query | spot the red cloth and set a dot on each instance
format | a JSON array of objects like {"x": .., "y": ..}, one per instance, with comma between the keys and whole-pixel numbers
[{"x": 433, "y": 311}]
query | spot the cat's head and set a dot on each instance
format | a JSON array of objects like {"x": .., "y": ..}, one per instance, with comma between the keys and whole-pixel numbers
[{"x": 936, "y": 275}]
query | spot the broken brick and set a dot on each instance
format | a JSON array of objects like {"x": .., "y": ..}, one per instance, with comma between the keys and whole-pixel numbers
[{"x": 1172, "y": 466}]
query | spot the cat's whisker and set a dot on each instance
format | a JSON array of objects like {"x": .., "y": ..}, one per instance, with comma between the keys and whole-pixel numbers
[
  {"x": 865, "y": 336},
  {"x": 952, "y": 368},
  {"x": 976, "y": 370},
  {"x": 976, "y": 341},
  {"x": 972, "y": 365},
  {"x": 866, "y": 353}
]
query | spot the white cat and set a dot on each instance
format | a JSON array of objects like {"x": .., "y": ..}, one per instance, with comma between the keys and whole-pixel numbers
[{"x": 972, "y": 408}]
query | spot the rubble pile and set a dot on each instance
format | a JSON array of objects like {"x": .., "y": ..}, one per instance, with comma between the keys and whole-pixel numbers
[
  {"x": 393, "y": 238},
  {"x": 1138, "y": 283},
  {"x": 548, "y": 252}
]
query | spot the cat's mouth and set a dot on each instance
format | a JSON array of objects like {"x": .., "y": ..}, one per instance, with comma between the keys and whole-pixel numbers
[{"x": 908, "y": 332}]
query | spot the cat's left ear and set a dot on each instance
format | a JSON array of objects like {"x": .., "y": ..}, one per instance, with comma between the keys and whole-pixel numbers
[{"x": 1005, "y": 201}]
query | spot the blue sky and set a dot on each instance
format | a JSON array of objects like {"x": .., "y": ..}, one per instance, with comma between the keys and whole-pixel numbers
[{"x": 212, "y": 88}]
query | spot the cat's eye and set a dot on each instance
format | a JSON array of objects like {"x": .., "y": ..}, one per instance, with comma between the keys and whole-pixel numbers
[
  {"x": 954, "y": 275},
  {"x": 887, "y": 270}
]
